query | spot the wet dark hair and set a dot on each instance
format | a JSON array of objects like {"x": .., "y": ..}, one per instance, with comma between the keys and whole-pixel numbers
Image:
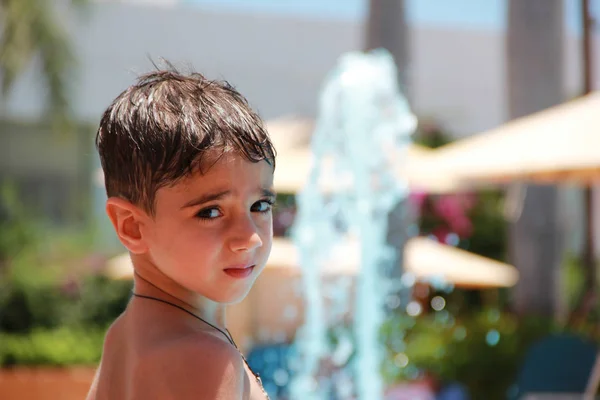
[{"x": 161, "y": 129}]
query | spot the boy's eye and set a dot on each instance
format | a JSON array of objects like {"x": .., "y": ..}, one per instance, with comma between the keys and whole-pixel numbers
[
  {"x": 209, "y": 213},
  {"x": 262, "y": 206}
]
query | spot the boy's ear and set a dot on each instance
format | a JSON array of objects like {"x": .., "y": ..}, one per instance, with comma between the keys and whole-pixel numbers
[{"x": 127, "y": 220}]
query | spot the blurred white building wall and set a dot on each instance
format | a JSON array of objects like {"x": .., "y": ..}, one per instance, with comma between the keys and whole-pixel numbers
[{"x": 278, "y": 62}]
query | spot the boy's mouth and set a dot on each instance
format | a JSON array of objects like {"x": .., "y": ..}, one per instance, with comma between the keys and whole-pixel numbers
[{"x": 239, "y": 271}]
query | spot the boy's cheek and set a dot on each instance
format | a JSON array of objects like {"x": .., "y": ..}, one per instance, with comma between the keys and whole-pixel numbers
[{"x": 157, "y": 237}]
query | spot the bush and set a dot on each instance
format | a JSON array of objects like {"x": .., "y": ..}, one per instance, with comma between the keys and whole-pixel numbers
[
  {"x": 54, "y": 305},
  {"x": 483, "y": 351},
  {"x": 53, "y": 323},
  {"x": 16, "y": 228},
  {"x": 56, "y": 347},
  {"x": 93, "y": 302}
]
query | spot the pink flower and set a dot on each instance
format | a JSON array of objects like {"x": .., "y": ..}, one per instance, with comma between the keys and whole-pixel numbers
[
  {"x": 462, "y": 226},
  {"x": 448, "y": 208}
]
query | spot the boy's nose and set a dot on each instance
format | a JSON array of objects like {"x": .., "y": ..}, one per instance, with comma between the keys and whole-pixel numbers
[{"x": 245, "y": 237}]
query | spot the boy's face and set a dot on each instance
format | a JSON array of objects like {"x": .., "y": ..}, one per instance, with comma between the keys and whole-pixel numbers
[{"x": 212, "y": 233}]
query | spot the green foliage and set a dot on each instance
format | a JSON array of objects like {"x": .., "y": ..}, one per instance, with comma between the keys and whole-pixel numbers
[
  {"x": 482, "y": 351},
  {"x": 58, "y": 322},
  {"x": 489, "y": 234},
  {"x": 573, "y": 285},
  {"x": 57, "y": 347},
  {"x": 430, "y": 134},
  {"x": 572, "y": 279},
  {"x": 95, "y": 301},
  {"x": 54, "y": 304},
  {"x": 16, "y": 228}
]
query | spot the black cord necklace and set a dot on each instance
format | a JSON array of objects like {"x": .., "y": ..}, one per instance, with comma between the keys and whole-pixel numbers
[{"x": 227, "y": 335}]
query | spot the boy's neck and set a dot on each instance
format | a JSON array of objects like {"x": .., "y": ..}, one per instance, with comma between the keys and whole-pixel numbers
[{"x": 148, "y": 280}]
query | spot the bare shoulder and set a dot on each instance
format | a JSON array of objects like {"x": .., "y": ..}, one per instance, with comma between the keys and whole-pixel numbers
[{"x": 195, "y": 366}]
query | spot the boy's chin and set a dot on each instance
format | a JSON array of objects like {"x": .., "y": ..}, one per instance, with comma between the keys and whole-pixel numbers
[
  {"x": 229, "y": 297},
  {"x": 233, "y": 298}
]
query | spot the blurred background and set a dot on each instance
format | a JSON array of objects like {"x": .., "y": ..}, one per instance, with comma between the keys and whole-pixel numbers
[{"x": 508, "y": 150}]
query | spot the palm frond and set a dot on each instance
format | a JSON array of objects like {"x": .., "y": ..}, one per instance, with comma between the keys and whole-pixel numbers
[{"x": 32, "y": 28}]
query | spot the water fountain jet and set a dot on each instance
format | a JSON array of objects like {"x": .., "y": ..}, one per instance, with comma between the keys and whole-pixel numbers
[{"x": 362, "y": 134}]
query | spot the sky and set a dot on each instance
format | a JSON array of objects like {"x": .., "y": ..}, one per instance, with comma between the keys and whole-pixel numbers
[{"x": 468, "y": 14}]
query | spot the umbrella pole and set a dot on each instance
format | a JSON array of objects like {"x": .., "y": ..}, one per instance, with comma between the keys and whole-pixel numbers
[{"x": 587, "y": 300}]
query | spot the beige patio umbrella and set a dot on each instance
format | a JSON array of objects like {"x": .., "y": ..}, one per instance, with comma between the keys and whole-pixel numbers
[
  {"x": 291, "y": 137},
  {"x": 559, "y": 144},
  {"x": 290, "y": 132},
  {"x": 424, "y": 258}
]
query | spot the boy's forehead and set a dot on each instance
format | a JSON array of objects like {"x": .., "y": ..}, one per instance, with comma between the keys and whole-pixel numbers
[
  {"x": 229, "y": 161},
  {"x": 227, "y": 169},
  {"x": 223, "y": 159}
]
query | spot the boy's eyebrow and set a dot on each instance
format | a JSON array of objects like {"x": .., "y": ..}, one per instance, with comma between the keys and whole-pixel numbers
[
  {"x": 268, "y": 193},
  {"x": 219, "y": 195},
  {"x": 205, "y": 198}
]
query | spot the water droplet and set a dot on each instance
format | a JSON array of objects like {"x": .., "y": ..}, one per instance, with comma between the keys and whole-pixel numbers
[
  {"x": 408, "y": 279},
  {"x": 401, "y": 360},
  {"x": 343, "y": 351},
  {"x": 414, "y": 308},
  {"x": 393, "y": 302},
  {"x": 452, "y": 239},
  {"x": 438, "y": 303},
  {"x": 345, "y": 387},
  {"x": 281, "y": 377},
  {"x": 493, "y": 337}
]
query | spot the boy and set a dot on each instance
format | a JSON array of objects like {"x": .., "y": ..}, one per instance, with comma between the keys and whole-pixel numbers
[{"x": 188, "y": 170}]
